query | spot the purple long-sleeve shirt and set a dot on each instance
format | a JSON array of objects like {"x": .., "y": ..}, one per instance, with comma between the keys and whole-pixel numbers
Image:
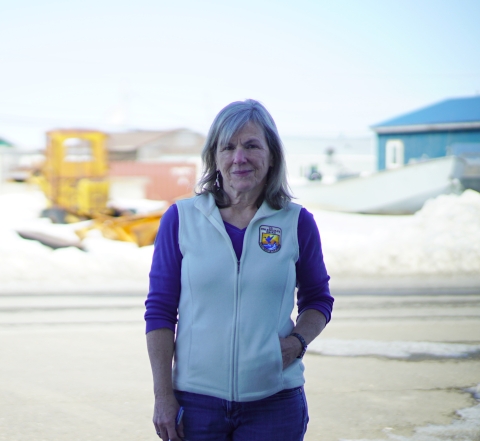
[{"x": 164, "y": 293}]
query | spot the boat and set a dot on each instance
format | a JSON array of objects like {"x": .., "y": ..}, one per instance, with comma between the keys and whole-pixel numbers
[{"x": 402, "y": 190}]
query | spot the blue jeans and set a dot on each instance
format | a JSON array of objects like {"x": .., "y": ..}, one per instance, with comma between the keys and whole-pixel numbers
[{"x": 280, "y": 417}]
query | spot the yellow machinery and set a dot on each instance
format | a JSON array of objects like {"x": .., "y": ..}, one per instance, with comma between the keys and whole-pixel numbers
[
  {"x": 137, "y": 228},
  {"x": 74, "y": 176},
  {"x": 74, "y": 179}
]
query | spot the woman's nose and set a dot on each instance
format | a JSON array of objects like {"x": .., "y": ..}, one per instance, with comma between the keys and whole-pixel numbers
[{"x": 239, "y": 155}]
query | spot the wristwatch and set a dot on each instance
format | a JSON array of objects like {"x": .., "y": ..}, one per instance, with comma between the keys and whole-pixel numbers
[{"x": 302, "y": 341}]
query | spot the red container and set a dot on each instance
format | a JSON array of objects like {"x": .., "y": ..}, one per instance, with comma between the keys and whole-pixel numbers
[{"x": 166, "y": 181}]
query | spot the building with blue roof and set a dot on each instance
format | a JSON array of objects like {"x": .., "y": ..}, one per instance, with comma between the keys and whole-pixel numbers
[{"x": 448, "y": 127}]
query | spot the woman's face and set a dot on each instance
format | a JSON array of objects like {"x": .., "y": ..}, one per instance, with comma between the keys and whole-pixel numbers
[{"x": 244, "y": 162}]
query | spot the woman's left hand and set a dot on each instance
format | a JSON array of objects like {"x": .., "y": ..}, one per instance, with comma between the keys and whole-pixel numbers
[
  {"x": 291, "y": 349},
  {"x": 309, "y": 324}
]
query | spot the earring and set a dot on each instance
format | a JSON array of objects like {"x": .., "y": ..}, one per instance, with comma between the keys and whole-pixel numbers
[{"x": 217, "y": 181}]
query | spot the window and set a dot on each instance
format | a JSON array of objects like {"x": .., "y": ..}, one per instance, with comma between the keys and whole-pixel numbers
[
  {"x": 394, "y": 153},
  {"x": 78, "y": 150}
]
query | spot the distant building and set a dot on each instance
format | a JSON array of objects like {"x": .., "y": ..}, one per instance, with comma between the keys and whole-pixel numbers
[
  {"x": 160, "y": 165},
  {"x": 146, "y": 145},
  {"x": 449, "y": 127},
  {"x": 5, "y": 143},
  {"x": 15, "y": 163}
]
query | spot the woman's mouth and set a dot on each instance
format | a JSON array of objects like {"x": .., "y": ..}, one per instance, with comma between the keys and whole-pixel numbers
[{"x": 241, "y": 172}]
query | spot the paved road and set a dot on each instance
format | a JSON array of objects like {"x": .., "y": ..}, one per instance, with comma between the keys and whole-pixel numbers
[
  {"x": 369, "y": 397},
  {"x": 75, "y": 368}
]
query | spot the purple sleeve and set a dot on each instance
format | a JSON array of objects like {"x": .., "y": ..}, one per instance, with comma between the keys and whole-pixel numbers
[
  {"x": 164, "y": 292},
  {"x": 312, "y": 278}
]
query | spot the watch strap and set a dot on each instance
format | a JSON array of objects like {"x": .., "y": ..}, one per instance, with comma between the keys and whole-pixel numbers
[{"x": 302, "y": 341}]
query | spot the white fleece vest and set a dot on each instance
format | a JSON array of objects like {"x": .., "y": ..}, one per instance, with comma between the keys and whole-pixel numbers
[{"x": 231, "y": 313}]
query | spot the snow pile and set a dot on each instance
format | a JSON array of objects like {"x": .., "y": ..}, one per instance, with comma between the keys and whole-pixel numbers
[
  {"x": 442, "y": 238},
  {"x": 106, "y": 266},
  {"x": 28, "y": 266}
]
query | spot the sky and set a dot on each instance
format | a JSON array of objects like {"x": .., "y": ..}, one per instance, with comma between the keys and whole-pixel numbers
[{"x": 322, "y": 68}]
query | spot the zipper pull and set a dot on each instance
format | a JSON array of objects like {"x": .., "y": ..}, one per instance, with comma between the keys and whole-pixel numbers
[{"x": 238, "y": 266}]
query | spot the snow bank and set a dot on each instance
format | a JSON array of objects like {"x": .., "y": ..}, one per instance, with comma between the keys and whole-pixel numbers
[
  {"x": 28, "y": 266},
  {"x": 442, "y": 238}
]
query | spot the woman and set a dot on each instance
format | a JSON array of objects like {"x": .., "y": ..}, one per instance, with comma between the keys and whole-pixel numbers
[{"x": 228, "y": 260}]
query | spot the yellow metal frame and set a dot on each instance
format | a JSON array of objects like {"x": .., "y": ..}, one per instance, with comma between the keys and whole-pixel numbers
[{"x": 79, "y": 186}]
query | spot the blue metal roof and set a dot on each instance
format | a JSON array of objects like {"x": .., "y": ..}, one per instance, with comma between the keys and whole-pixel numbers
[{"x": 456, "y": 110}]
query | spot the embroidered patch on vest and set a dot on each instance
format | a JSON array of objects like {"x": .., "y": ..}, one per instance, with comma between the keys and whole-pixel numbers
[{"x": 270, "y": 239}]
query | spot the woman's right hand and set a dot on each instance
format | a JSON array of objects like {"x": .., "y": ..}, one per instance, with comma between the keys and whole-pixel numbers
[{"x": 164, "y": 418}]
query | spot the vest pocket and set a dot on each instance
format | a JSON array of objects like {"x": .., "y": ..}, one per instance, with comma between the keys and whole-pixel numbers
[
  {"x": 261, "y": 372},
  {"x": 203, "y": 360}
]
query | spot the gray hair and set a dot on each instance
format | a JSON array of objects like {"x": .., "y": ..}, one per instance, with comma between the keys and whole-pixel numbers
[{"x": 226, "y": 124}]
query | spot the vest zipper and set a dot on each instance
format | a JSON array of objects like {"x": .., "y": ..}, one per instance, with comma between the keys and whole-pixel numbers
[{"x": 235, "y": 328}]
